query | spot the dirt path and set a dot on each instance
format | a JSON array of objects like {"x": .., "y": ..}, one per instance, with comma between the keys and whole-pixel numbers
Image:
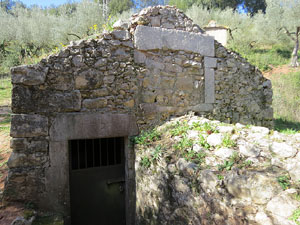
[{"x": 284, "y": 70}]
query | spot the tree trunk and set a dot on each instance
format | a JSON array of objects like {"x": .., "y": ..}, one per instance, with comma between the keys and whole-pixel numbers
[{"x": 294, "y": 60}]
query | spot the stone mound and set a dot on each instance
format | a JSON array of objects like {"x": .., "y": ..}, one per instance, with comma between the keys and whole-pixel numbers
[{"x": 192, "y": 170}]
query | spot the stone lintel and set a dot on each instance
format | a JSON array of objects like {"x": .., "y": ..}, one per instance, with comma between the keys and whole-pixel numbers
[
  {"x": 92, "y": 125},
  {"x": 151, "y": 38},
  {"x": 209, "y": 85}
]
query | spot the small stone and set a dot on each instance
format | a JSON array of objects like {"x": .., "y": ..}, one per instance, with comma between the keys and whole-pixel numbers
[
  {"x": 262, "y": 130},
  {"x": 121, "y": 25},
  {"x": 187, "y": 168},
  {"x": 129, "y": 104},
  {"x": 78, "y": 61},
  {"x": 123, "y": 35},
  {"x": 172, "y": 168},
  {"x": 283, "y": 150},
  {"x": 215, "y": 139},
  {"x": 248, "y": 149},
  {"x": 225, "y": 129},
  {"x": 283, "y": 205},
  {"x": 263, "y": 219},
  {"x": 101, "y": 62},
  {"x": 224, "y": 153}
]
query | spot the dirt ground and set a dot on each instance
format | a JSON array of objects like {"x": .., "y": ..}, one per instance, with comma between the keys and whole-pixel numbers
[{"x": 285, "y": 69}]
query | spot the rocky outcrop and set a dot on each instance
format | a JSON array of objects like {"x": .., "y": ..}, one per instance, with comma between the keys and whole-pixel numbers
[{"x": 192, "y": 170}]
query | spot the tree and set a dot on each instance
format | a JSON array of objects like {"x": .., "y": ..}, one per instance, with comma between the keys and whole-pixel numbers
[
  {"x": 284, "y": 18},
  {"x": 253, "y": 6},
  {"x": 117, "y": 6}
]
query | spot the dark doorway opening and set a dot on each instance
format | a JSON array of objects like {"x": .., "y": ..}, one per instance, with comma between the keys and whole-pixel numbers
[{"x": 97, "y": 181}]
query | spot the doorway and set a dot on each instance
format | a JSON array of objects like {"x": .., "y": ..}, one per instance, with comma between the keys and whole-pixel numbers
[{"x": 97, "y": 181}]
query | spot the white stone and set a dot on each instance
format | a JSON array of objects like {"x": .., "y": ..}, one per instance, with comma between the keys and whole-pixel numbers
[
  {"x": 283, "y": 150},
  {"x": 262, "y": 130},
  {"x": 151, "y": 38},
  {"x": 197, "y": 148},
  {"x": 215, "y": 139},
  {"x": 263, "y": 219},
  {"x": 249, "y": 150},
  {"x": 225, "y": 129},
  {"x": 224, "y": 153},
  {"x": 294, "y": 171},
  {"x": 283, "y": 205}
]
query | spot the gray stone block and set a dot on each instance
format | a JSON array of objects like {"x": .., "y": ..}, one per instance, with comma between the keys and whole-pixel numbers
[
  {"x": 28, "y": 75},
  {"x": 28, "y": 125},
  {"x": 95, "y": 125},
  {"x": 210, "y": 62},
  {"x": 151, "y": 38},
  {"x": 209, "y": 85},
  {"x": 27, "y": 100}
]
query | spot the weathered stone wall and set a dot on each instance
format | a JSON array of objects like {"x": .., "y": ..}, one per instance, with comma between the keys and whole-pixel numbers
[{"x": 159, "y": 65}]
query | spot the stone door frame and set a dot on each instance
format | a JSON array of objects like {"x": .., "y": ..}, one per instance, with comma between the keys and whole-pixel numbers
[{"x": 68, "y": 126}]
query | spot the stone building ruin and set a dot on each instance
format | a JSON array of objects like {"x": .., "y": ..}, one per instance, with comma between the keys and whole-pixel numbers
[{"x": 96, "y": 93}]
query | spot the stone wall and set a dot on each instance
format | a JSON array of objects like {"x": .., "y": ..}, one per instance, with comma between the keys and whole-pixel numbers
[{"x": 157, "y": 66}]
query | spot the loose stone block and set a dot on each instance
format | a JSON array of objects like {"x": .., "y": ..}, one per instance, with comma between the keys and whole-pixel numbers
[
  {"x": 29, "y": 75},
  {"x": 151, "y": 38},
  {"x": 28, "y": 125},
  {"x": 123, "y": 35},
  {"x": 209, "y": 85}
]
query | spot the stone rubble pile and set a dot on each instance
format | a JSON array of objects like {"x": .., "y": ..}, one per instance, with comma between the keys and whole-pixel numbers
[{"x": 229, "y": 174}]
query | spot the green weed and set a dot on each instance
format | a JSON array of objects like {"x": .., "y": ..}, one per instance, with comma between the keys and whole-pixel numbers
[
  {"x": 220, "y": 177},
  {"x": 195, "y": 157},
  {"x": 203, "y": 142},
  {"x": 228, "y": 164},
  {"x": 180, "y": 129},
  {"x": 146, "y": 138},
  {"x": 145, "y": 162},
  {"x": 284, "y": 181},
  {"x": 227, "y": 142},
  {"x": 184, "y": 144},
  {"x": 296, "y": 216},
  {"x": 207, "y": 127}
]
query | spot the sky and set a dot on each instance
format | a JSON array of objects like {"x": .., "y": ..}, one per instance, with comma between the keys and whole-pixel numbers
[{"x": 45, "y": 3}]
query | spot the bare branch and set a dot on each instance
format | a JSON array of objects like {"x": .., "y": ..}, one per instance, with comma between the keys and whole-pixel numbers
[{"x": 74, "y": 35}]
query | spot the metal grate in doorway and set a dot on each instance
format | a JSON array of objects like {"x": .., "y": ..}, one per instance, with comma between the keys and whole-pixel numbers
[{"x": 89, "y": 153}]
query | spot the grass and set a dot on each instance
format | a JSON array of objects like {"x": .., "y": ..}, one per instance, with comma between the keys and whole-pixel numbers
[
  {"x": 266, "y": 57},
  {"x": 286, "y": 102},
  {"x": 5, "y": 91},
  {"x": 5, "y": 125}
]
